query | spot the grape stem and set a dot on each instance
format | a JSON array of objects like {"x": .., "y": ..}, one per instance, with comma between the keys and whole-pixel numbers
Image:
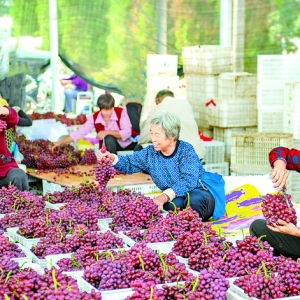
[
  {"x": 151, "y": 293},
  {"x": 142, "y": 262},
  {"x": 55, "y": 283},
  {"x": 7, "y": 276},
  {"x": 195, "y": 283}
]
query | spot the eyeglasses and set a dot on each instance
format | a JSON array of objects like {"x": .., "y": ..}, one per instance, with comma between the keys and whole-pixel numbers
[{"x": 5, "y": 159}]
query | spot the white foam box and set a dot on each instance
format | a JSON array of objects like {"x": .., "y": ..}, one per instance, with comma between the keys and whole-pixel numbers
[
  {"x": 270, "y": 95},
  {"x": 50, "y": 187},
  {"x": 251, "y": 150},
  {"x": 233, "y": 113},
  {"x": 237, "y": 86},
  {"x": 215, "y": 151},
  {"x": 224, "y": 135},
  {"x": 200, "y": 87},
  {"x": 162, "y": 64},
  {"x": 278, "y": 68},
  {"x": 219, "y": 168},
  {"x": 207, "y": 59},
  {"x": 277, "y": 120},
  {"x": 26, "y": 259}
]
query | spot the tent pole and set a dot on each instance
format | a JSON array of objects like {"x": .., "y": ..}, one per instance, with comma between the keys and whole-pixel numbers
[{"x": 55, "y": 94}]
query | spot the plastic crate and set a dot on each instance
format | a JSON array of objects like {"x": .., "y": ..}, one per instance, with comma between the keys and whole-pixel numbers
[
  {"x": 26, "y": 259},
  {"x": 50, "y": 187},
  {"x": 278, "y": 68},
  {"x": 292, "y": 96},
  {"x": 270, "y": 96},
  {"x": 238, "y": 113},
  {"x": 235, "y": 289},
  {"x": 72, "y": 128},
  {"x": 201, "y": 112},
  {"x": 276, "y": 120},
  {"x": 207, "y": 59},
  {"x": 251, "y": 150},
  {"x": 200, "y": 87},
  {"x": 142, "y": 188},
  {"x": 162, "y": 247},
  {"x": 219, "y": 168},
  {"x": 55, "y": 206},
  {"x": 28, "y": 243},
  {"x": 215, "y": 151},
  {"x": 224, "y": 135},
  {"x": 162, "y": 64},
  {"x": 32, "y": 179},
  {"x": 237, "y": 86}
]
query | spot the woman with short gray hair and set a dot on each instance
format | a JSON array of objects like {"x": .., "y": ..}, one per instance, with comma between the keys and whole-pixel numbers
[{"x": 174, "y": 167}]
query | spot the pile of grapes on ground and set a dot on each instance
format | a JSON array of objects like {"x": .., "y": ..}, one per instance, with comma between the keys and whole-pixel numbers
[{"x": 88, "y": 242}]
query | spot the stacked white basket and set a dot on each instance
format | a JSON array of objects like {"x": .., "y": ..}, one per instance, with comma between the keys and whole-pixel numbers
[
  {"x": 202, "y": 66},
  {"x": 278, "y": 97},
  {"x": 161, "y": 74}
]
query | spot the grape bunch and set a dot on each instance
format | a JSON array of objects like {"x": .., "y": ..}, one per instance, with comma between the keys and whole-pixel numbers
[
  {"x": 2, "y": 125},
  {"x": 9, "y": 249},
  {"x": 88, "y": 158},
  {"x": 104, "y": 170},
  {"x": 274, "y": 207}
]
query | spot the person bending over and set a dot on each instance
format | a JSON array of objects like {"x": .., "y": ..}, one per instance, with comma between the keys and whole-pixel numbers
[
  {"x": 112, "y": 125},
  {"x": 285, "y": 237},
  {"x": 174, "y": 167}
]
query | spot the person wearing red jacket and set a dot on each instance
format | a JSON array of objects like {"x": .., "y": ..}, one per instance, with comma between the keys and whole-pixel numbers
[
  {"x": 10, "y": 173},
  {"x": 285, "y": 237}
]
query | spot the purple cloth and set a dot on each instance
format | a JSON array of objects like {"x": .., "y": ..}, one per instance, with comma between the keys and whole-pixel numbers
[{"x": 80, "y": 84}]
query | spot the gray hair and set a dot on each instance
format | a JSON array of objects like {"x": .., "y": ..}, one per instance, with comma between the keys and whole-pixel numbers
[{"x": 169, "y": 122}]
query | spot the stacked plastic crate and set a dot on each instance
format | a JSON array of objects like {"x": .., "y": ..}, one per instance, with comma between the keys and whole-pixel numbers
[
  {"x": 202, "y": 66},
  {"x": 277, "y": 94},
  {"x": 161, "y": 74},
  {"x": 235, "y": 109},
  {"x": 250, "y": 152}
]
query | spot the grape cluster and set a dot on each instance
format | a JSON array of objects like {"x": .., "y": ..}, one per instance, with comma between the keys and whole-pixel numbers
[
  {"x": 88, "y": 158},
  {"x": 274, "y": 207},
  {"x": 135, "y": 211},
  {"x": 104, "y": 170},
  {"x": 52, "y": 285},
  {"x": 9, "y": 249},
  {"x": 79, "y": 120},
  {"x": 13, "y": 200}
]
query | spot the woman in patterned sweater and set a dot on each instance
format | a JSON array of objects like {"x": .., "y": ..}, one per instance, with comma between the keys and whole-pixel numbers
[{"x": 173, "y": 165}]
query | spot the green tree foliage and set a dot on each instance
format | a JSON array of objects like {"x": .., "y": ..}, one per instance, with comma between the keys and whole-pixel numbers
[{"x": 110, "y": 40}]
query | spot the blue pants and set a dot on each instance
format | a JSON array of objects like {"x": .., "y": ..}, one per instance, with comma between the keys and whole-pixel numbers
[
  {"x": 70, "y": 95},
  {"x": 201, "y": 201},
  {"x": 16, "y": 177}
]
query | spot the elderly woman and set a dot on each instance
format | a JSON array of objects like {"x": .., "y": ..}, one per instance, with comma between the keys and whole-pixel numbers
[{"x": 173, "y": 166}]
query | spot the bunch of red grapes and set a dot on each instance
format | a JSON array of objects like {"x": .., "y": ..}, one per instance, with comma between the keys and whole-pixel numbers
[
  {"x": 274, "y": 207},
  {"x": 104, "y": 170}
]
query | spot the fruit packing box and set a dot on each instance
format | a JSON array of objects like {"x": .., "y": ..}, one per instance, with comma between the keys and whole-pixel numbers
[
  {"x": 28, "y": 243},
  {"x": 142, "y": 188},
  {"x": 26, "y": 259},
  {"x": 239, "y": 292},
  {"x": 118, "y": 294},
  {"x": 215, "y": 151},
  {"x": 162, "y": 247},
  {"x": 51, "y": 261},
  {"x": 54, "y": 206}
]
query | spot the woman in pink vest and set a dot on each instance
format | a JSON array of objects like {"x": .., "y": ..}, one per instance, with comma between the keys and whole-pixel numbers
[{"x": 112, "y": 125}]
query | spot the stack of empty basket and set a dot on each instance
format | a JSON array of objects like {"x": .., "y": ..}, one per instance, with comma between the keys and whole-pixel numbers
[
  {"x": 161, "y": 74},
  {"x": 278, "y": 101},
  {"x": 202, "y": 66}
]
